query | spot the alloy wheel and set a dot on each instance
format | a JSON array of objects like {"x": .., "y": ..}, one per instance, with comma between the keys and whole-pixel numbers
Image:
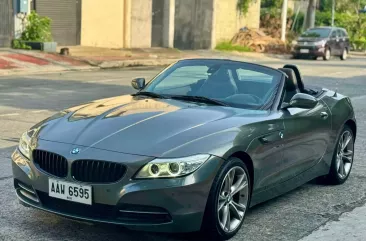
[
  {"x": 344, "y": 54},
  {"x": 327, "y": 54},
  {"x": 233, "y": 199},
  {"x": 345, "y": 155}
]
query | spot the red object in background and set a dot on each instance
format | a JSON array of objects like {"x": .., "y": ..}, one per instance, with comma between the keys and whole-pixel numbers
[
  {"x": 28, "y": 59},
  {"x": 4, "y": 64}
]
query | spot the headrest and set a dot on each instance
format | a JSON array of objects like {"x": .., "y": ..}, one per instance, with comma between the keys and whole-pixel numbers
[
  {"x": 291, "y": 81},
  {"x": 298, "y": 75}
]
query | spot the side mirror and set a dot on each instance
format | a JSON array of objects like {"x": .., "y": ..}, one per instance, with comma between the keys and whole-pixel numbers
[
  {"x": 138, "y": 83},
  {"x": 304, "y": 101}
]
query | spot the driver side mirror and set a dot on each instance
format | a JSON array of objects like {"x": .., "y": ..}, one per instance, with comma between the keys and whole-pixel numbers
[
  {"x": 304, "y": 101},
  {"x": 138, "y": 83}
]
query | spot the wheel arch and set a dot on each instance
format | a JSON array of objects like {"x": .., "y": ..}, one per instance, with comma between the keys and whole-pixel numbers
[
  {"x": 352, "y": 124},
  {"x": 247, "y": 161}
]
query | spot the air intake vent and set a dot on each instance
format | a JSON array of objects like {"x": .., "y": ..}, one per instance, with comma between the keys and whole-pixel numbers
[
  {"x": 97, "y": 171},
  {"x": 51, "y": 163}
]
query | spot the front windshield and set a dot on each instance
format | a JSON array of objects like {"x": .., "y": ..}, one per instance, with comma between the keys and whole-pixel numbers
[
  {"x": 236, "y": 84},
  {"x": 316, "y": 33}
]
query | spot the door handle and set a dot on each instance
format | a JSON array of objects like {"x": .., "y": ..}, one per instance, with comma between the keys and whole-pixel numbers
[
  {"x": 324, "y": 115},
  {"x": 264, "y": 140},
  {"x": 271, "y": 137}
]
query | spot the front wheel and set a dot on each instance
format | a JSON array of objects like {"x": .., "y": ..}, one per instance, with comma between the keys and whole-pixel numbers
[
  {"x": 344, "y": 54},
  {"x": 327, "y": 54},
  {"x": 228, "y": 201},
  {"x": 342, "y": 158}
]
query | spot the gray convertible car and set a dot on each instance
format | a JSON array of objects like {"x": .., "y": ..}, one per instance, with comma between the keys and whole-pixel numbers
[{"x": 192, "y": 150}]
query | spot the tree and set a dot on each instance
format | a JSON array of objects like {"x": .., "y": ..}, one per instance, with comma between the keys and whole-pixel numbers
[
  {"x": 310, "y": 15},
  {"x": 343, "y": 6}
]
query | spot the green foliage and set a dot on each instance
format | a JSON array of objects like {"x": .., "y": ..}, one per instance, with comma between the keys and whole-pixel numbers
[
  {"x": 297, "y": 28},
  {"x": 38, "y": 28},
  {"x": 271, "y": 3},
  {"x": 17, "y": 44},
  {"x": 242, "y": 6},
  {"x": 227, "y": 46},
  {"x": 343, "y": 6},
  {"x": 353, "y": 23}
]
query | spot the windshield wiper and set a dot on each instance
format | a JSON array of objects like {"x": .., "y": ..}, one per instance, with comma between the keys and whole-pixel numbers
[
  {"x": 199, "y": 99},
  {"x": 150, "y": 94}
]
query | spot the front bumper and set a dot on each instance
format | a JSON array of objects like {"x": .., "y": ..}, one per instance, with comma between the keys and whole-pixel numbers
[
  {"x": 160, "y": 205},
  {"x": 313, "y": 51}
]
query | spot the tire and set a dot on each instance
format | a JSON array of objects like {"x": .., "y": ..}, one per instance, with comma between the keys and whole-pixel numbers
[
  {"x": 335, "y": 176},
  {"x": 344, "y": 54},
  {"x": 327, "y": 54},
  {"x": 314, "y": 58},
  {"x": 214, "y": 219}
]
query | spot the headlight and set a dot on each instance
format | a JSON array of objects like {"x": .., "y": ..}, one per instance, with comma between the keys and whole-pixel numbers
[
  {"x": 175, "y": 167},
  {"x": 24, "y": 145}
]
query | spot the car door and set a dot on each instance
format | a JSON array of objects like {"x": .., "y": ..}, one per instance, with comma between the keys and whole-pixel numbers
[
  {"x": 266, "y": 151},
  {"x": 333, "y": 43},
  {"x": 341, "y": 41},
  {"x": 306, "y": 137}
]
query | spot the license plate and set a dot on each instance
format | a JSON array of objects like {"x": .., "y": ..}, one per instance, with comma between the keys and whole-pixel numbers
[
  {"x": 304, "y": 51},
  {"x": 70, "y": 191}
]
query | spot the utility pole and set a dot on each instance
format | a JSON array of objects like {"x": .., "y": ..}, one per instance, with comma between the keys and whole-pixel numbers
[
  {"x": 310, "y": 15},
  {"x": 333, "y": 11},
  {"x": 284, "y": 20}
]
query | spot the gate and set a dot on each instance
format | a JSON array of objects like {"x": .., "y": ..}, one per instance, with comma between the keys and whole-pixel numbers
[
  {"x": 66, "y": 19},
  {"x": 6, "y": 22}
]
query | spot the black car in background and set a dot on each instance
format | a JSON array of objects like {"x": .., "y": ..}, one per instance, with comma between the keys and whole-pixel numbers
[{"x": 322, "y": 42}]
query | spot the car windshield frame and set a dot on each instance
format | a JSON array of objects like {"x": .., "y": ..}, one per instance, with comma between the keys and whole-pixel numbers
[
  {"x": 269, "y": 104},
  {"x": 314, "y": 31}
]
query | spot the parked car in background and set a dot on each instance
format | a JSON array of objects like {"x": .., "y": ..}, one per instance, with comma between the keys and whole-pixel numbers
[{"x": 322, "y": 42}]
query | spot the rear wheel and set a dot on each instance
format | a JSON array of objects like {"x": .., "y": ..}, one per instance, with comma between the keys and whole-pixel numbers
[
  {"x": 344, "y": 54},
  {"x": 327, "y": 54},
  {"x": 228, "y": 201},
  {"x": 342, "y": 158}
]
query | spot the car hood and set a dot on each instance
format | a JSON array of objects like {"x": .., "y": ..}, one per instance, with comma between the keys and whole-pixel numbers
[{"x": 139, "y": 125}]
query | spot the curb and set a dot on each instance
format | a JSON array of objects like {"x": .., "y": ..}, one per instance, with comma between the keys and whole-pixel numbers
[
  {"x": 15, "y": 72},
  {"x": 135, "y": 63}
]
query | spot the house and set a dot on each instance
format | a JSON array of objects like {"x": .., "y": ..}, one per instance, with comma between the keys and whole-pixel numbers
[{"x": 183, "y": 24}]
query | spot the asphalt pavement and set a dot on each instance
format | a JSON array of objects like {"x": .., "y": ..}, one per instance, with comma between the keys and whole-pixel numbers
[{"x": 311, "y": 212}]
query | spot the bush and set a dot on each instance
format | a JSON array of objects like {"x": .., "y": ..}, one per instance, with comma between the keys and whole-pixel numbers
[
  {"x": 18, "y": 44},
  {"x": 227, "y": 46},
  {"x": 37, "y": 29}
]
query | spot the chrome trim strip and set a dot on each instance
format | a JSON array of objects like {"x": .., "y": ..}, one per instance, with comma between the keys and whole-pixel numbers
[
  {"x": 26, "y": 188},
  {"x": 142, "y": 212},
  {"x": 29, "y": 196}
]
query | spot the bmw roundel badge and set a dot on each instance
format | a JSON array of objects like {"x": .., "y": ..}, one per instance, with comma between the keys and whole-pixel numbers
[{"x": 75, "y": 151}]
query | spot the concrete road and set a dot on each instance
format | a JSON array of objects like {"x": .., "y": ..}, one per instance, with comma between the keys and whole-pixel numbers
[{"x": 311, "y": 212}]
